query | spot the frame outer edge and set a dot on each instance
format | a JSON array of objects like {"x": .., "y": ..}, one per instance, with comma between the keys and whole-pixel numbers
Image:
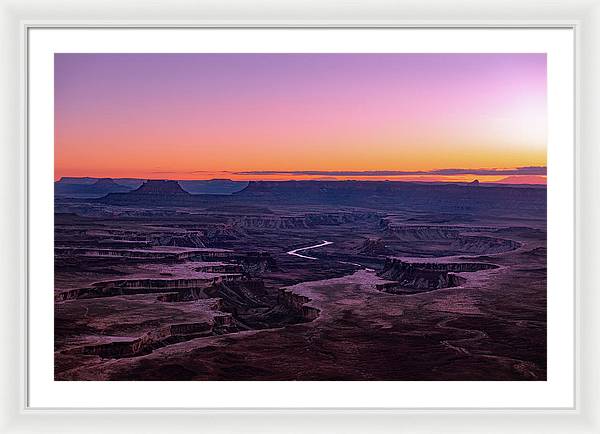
[
  {"x": 589, "y": 217},
  {"x": 13, "y": 171},
  {"x": 12, "y": 226}
]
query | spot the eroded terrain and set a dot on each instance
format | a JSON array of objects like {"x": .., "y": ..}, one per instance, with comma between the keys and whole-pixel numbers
[{"x": 321, "y": 283}]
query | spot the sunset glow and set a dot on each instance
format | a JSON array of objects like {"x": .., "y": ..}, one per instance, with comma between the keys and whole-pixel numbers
[{"x": 201, "y": 116}]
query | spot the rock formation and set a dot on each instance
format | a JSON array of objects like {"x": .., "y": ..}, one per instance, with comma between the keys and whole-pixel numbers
[
  {"x": 158, "y": 187},
  {"x": 152, "y": 192},
  {"x": 99, "y": 188},
  {"x": 423, "y": 276},
  {"x": 374, "y": 247}
]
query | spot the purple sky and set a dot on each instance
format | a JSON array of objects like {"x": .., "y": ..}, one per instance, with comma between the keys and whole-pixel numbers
[{"x": 136, "y": 114}]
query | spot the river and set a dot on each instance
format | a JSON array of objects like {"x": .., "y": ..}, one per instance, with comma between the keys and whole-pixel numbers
[{"x": 302, "y": 249}]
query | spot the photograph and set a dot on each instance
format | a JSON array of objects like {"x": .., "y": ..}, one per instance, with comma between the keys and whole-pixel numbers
[{"x": 300, "y": 216}]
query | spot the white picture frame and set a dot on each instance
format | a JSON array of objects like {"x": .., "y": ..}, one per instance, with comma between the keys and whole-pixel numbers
[{"x": 15, "y": 20}]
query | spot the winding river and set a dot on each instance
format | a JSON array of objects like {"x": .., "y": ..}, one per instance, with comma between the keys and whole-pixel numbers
[
  {"x": 295, "y": 252},
  {"x": 303, "y": 249}
]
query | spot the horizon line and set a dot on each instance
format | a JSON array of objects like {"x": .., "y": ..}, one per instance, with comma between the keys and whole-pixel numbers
[
  {"x": 509, "y": 180},
  {"x": 507, "y": 175}
]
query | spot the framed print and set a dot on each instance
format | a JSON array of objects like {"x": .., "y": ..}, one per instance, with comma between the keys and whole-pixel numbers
[
  {"x": 247, "y": 223},
  {"x": 360, "y": 207}
]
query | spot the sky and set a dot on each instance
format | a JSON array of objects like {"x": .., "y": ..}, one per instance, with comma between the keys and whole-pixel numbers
[{"x": 431, "y": 117}]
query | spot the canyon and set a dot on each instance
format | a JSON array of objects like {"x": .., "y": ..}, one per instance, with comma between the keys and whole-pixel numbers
[{"x": 299, "y": 280}]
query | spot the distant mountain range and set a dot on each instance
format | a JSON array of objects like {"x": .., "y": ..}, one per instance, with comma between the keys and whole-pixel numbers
[
  {"x": 386, "y": 195},
  {"x": 95, "y": 188},
  {"x": 523, "y": 179},
  {"x": 87, "y": 187}
]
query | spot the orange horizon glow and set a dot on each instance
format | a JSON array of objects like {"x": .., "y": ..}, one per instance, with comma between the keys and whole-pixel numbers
[
  {"x": 502, "y": 179},
  {"x": 188, "y": 116}
]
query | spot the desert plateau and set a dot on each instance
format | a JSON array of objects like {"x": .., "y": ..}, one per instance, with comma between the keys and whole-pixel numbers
[{"x": 299, "y": 280}]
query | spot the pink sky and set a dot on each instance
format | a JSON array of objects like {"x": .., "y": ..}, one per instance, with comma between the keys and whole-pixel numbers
[{"x": 139, "y": 115}]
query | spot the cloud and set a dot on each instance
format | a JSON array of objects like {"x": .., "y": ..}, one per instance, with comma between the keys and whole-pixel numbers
[
  {"x": 167, "y": 172},
  {"x": 529, "y": 170}
]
